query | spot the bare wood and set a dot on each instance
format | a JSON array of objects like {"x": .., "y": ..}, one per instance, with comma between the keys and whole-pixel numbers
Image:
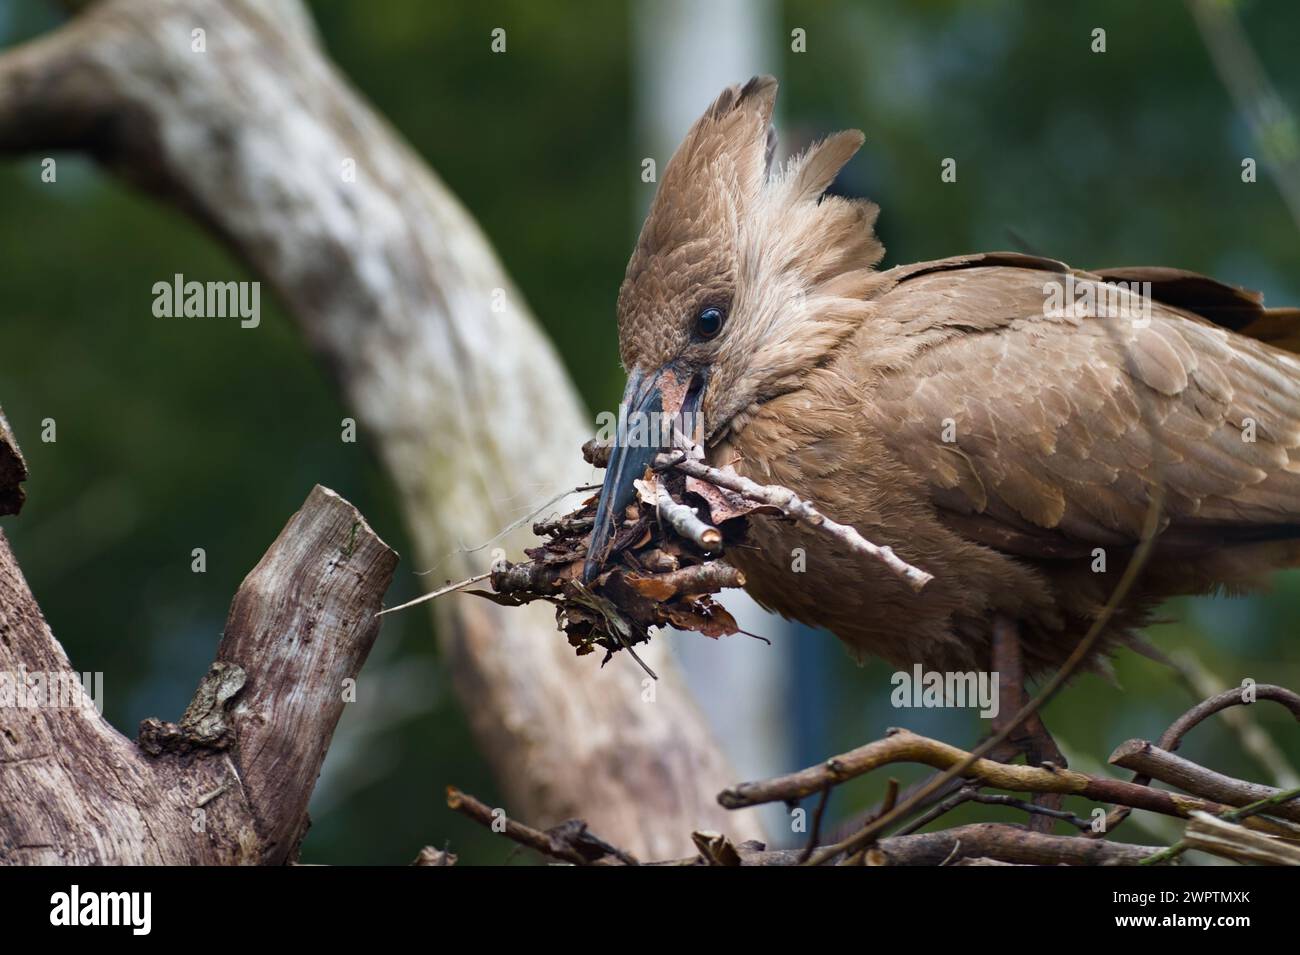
[
  {"x": 1172, "y": 737},
  {"x": 473, "y": 808},
  {"x": 1004, "y": 843},
  {"x": 698, "y": 579},
  {"x": 570, "y": 841},
  {"x": 1237, "y": 696},
  {"x": 301, "y": 615},
  {"x": 1221, "y": 838},
  {"x": 997, "y": 841},
  {"x": 904, "y": 746},
  {"x": 1251, "y": 736},
  {"x": 1240, "y": 815},
  {"x": 899, "y": 745},
  {"x": 793, "y": 505},
  {"x": 972, "y": 794},
  {"x": 685, "y": 522},
  {"x": 392, "y": 283},
  {"x": 1155, "y": 763},
  {"x": 243, "y": 759}
]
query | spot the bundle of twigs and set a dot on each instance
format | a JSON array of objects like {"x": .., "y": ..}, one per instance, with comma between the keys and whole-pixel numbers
[
  {"x": 663, "y": 568},
  {"x": 665, "y": 561}
]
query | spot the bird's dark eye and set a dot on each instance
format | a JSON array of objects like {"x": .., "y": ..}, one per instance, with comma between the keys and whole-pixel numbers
[{"x": 709, "y": 322}]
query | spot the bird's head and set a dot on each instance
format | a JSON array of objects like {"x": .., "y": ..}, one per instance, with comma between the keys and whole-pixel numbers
[{"x": 743, "y": 280}]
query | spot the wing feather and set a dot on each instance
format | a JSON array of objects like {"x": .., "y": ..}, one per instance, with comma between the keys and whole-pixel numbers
[{"x": 1064, "y": 426}]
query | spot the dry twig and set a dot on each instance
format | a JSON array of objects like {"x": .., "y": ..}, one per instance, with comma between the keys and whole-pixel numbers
[
  {"x": 1261, "y": 831},
  {"x": 999, "y": 842},
  {"x": 1173, "y": 736},
  {"x": 569, "y": 841},
  {"x": 903, "y": 746},
  {"x": 1156, "y": 763}
]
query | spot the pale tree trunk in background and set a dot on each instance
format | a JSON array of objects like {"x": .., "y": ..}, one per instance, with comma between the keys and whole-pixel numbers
[
  {"x": 393, "y": 285},
  {"x": 685, "y": 54}
]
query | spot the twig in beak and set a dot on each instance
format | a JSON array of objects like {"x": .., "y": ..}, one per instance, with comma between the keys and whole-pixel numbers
[
  {"x": 773, "y": 495},
  {"x": 685, "y": 522},
  {"x": 794, "y": 506}
]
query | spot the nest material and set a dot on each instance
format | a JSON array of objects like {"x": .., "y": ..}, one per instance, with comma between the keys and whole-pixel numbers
[
  {"x": 662, "y": 568},
  {"x": 662, "y": 565}
]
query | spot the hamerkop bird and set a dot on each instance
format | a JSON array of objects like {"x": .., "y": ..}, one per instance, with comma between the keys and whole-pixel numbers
[{"x": 1001, "y": 420}]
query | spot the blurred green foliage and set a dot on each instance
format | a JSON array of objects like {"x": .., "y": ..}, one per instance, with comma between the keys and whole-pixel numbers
[{"x": 173, "y": 436}]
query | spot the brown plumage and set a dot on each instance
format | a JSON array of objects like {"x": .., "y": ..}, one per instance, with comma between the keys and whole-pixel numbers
[{"x": 943, "y": 409}]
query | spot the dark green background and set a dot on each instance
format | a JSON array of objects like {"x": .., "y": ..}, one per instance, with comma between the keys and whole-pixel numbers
[{"x": 180, "y": 435}]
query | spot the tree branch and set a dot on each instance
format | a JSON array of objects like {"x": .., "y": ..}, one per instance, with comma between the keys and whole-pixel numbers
[
  {"x": 904, "y": 746},
  {"x": 1173, "y": 736},
  {"x": 229, "y": 783},
  {"x": 1152, "y": 762},
  {"x": 1221, "y": 838},
  {"x": 1004, "y": 843}
]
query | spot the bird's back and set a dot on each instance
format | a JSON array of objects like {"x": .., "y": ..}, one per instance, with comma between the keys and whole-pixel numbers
[{"x": 1009, "y": 422}]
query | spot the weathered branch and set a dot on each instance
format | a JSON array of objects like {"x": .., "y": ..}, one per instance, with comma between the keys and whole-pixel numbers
[
  {"x": 1203, "y": 684},
  {"x": 903, "y": 746},
  {"x": 685, "y": 522},
  {"x": 1004, "y": 843},
  {"x": 697, "y": 579},
  {"x": 1155, "y": 763},
  {"x": 394, "y": 286},
  {"x": 1173, "y": 736},
  {"x": 1230, "y": 841},
  {"x": 1241, "y": 815},
  {"x": 570, "y": 841},
  {"x": 972, "y": 794},
  {"x": 794, "y": 506},
  {"x": 230, "y": 782},
  {"x": 1237, "y": 833},
  {"x": 1237, "y": 696}
]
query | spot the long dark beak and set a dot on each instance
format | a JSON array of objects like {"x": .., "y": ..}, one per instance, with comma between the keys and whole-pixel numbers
[{"x": 637, "y": 441}]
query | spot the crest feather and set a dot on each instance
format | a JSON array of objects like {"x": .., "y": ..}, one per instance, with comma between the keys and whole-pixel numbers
[{"x": 810, "y": 174}]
